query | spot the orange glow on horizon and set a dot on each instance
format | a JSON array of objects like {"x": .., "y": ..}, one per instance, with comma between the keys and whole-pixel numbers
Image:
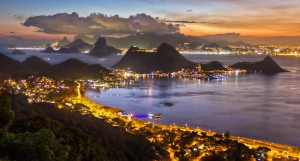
[{"x": 202, "y": 30}]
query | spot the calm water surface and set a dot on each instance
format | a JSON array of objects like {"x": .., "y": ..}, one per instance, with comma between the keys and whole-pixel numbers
[{"x": 254, "y": 106}]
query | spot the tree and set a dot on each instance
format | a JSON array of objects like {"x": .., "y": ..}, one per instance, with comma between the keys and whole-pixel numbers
[
  {"x": 227, "y": 135},
  {"x": 212, "y": 158},
  {"x": 42, "y": 145},
  {"x": 6, "y": 114}
]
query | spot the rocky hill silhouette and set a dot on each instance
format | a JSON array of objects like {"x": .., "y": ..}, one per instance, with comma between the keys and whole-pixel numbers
[
  {"x": 102, "y": 49},
  {"x": 166, "y": 59},
  {"x": 77, "y": 46},
  {"x": 266, "y": 66},
  {"x": 49, "y": 50},
  {"x": 63, "y": 42},
  {"x": 212, "y": 66}
]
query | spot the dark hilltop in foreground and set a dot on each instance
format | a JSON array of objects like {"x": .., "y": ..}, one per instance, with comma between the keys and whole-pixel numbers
[{"x": 69, "y": 69}]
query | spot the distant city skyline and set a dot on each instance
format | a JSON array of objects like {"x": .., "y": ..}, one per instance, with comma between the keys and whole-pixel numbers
[{"x": 33, "y": 19}]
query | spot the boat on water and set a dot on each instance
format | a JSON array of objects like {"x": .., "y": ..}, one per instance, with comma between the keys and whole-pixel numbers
[
  {"x": 156, "y": 116},
  {"x": 153, "y": 116}
]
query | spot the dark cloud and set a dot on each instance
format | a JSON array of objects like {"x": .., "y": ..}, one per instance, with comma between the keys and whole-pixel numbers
[
  {"x": 95, "y": 24},
  {"x": 19, "y": 17},
  {"x": 227, "y": 35},
  {"x": 15, "y": 37},
  {"x": 12, "y": 32},
  {"x": 182, "y": 21}
]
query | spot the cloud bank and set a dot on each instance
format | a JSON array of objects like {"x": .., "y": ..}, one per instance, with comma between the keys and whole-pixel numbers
[{"x": 96, "y": 23}]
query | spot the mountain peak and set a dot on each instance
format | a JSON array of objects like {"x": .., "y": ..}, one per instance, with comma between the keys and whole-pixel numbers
[
  {"x": 48, "y": 50},
  {"x": 268, "y": 58},
  {"x": 101, "y": 41},
  {"x": 266, "y": 66},
  {"x": 166, "y": 59},
  {"x": 165, "y": 46},
  {"x": 214, "y": 65},
  {"x": 63, "y": 42},
  {"x": 166, "y": 50},
  {"x": 102, "y": 49},
  {"x": 269, "y": 66},
  {"x": 35, "y": 60},
  {"x": 79, "y": 41},
  {"x": 132, "y": 49}
]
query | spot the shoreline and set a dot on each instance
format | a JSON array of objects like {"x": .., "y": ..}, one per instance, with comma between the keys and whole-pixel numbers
[{"x": 99, "y": 110}]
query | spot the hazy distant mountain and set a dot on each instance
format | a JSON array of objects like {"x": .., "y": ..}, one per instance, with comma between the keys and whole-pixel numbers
[
  {"x": 65, "y": 50},
  {"x": 240, "y": 43},
  {"x": 102, "y": 49},
  {"x": 77, "y": 46},
  {"x": 75, "y": 43},
  {"x": 237, "y": 38},
  {"x": 63, "y": 42},
  {"x": 18, "y": 52},
  {"x": 166, "y": 59},
  {"x": 151, "y": 40},
  {"x": 266, "y": 66},
  {"x": 48, "y": 50},
  {"x": 88, "y": 39},
  {"x": 211, "y": 45}
]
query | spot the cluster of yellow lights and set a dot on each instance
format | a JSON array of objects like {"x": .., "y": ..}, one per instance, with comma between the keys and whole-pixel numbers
[{"x": 134, "y": 126}]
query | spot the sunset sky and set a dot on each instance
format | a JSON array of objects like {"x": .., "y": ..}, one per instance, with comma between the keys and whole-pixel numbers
[{"x": 191, "y": 17}]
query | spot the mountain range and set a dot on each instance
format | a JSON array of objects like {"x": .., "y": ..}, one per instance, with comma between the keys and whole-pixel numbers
[
  {"x": 152, "y": 40},
  {"x": 100, "y": 48},
  {"x": 165, "y": 59},
  {"x": 69, "y": 69},
  {"x": 77, "y": 46}
]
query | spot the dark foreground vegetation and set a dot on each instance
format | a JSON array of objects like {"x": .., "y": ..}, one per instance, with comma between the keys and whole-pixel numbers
[{"x": 31, "y": 132}]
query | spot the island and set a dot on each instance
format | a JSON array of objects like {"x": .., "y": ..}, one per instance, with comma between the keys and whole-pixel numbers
[{"x": 266, "y": 66}]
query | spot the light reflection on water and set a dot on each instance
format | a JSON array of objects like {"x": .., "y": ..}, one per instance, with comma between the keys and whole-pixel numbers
[
  {"x": 254, "y": 106},
  {"x": 248, "y": 105}
]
